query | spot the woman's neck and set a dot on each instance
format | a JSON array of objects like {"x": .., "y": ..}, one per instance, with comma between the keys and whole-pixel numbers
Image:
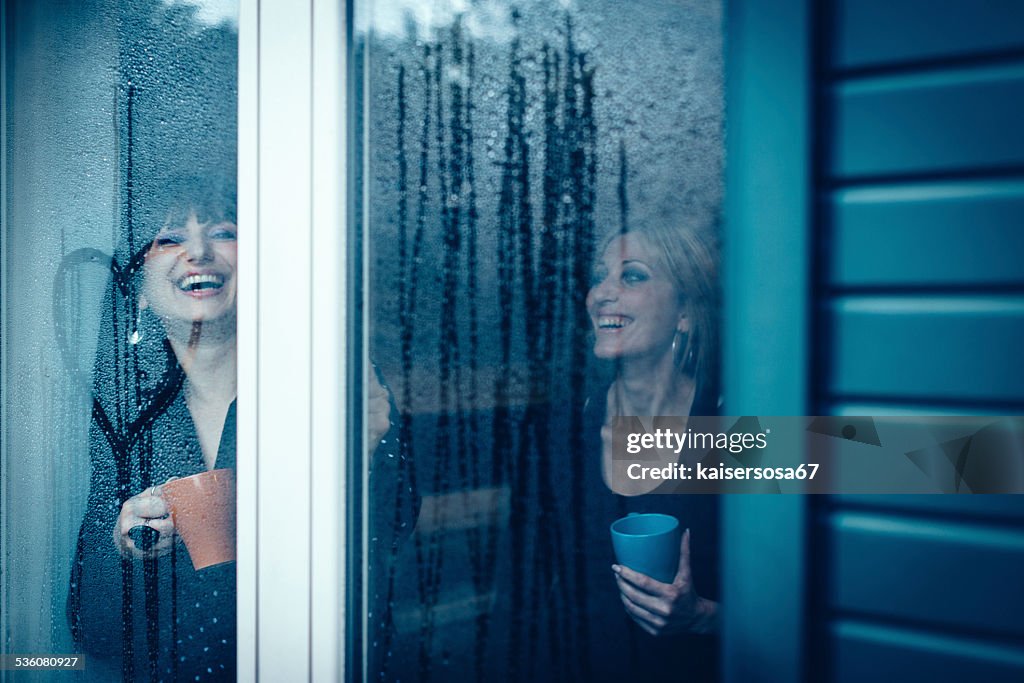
[
  {"x": 642, "y": 388},
  {"x": 653, "y": 387},
  {"x": 210, "y": 364}
]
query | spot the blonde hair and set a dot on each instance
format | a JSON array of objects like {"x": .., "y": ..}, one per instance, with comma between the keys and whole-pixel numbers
[{"x": 690, "y": 256}]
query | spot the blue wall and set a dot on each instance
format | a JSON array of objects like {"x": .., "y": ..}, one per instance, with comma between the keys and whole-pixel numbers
[
  {"x": 874, "y": 238},
  {"x": 919, "y": 308}
]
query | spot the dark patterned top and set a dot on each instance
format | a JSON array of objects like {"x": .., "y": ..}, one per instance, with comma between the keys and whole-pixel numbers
[{"x": 159, "y": 619}]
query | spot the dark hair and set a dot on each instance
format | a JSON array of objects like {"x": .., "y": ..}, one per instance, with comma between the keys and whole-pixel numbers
[
  {"x": 211, "y": 196},
  {"x": 213, "y": 199}
]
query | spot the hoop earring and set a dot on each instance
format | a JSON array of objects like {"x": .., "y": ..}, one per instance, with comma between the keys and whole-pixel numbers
[
  {"x": 679, "y": 345},
  {"x": 137, "y": 334}
]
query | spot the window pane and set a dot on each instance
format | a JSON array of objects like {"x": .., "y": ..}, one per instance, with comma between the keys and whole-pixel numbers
[
  {"x": 119, "y": 238},
  {"x": 542, "y": 190}
]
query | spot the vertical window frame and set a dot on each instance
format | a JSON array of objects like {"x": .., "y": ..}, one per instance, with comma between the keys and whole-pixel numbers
[
  {"x": 294, "y": 352},
  {"x": 767, "y": 351},
  {"x": 4, "y": 480}
]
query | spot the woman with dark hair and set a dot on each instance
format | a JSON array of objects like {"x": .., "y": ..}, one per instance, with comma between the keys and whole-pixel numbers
[
  {"x": 164, "y": 393},
  {"x": 654, "y": 309}
]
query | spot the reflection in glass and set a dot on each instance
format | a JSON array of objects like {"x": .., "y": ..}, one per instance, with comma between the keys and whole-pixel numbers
[{"x": 505, "y": 144}]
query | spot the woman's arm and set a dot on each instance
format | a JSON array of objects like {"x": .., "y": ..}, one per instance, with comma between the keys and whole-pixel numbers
[
  {"x": 395, "y": 502},
  {"x": 378, "y": 411}
]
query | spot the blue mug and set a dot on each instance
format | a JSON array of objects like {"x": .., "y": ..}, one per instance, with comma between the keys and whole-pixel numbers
[{"x": 648, "y": 543}]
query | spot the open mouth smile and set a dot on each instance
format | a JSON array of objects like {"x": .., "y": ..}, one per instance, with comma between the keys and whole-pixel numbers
[
  {"x": 612, "y": 322},
  {"x": 203, "y": 284}
]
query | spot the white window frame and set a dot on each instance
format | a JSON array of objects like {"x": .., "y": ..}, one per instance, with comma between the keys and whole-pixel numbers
[{"x": 293, "y": 331}]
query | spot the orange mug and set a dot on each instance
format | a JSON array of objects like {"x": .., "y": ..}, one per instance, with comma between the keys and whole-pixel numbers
[{"x": 202, "y": 507}]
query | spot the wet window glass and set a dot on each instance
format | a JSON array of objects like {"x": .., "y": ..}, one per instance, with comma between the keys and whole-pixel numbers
[
  {"x": 119, "y": 287},
  {"x": 541, "y": 192}
]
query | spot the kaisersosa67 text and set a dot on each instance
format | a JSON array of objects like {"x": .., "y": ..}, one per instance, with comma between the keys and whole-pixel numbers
[{"x": 721, "y": 472}]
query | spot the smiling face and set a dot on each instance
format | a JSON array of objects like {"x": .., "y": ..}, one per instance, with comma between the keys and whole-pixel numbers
[
  {"x": 189, "y": 272},
  {"x": 633, "y": 304}
]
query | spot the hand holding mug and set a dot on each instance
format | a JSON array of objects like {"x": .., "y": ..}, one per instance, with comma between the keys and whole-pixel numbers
[
  {"x": 141, "y": 511},
  {"x": 666, "y": 608}
]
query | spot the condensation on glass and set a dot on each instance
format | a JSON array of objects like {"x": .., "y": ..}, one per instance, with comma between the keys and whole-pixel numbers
[
  {"x": 119, "y": 258},
  {"x": 505, "y": 145}
]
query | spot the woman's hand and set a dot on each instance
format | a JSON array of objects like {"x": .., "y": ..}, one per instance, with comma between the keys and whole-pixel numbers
[
  {"x": 145, "y": 509},
  {"x": 378, "y": 411},
  {"x": 665, "y": 608}
]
